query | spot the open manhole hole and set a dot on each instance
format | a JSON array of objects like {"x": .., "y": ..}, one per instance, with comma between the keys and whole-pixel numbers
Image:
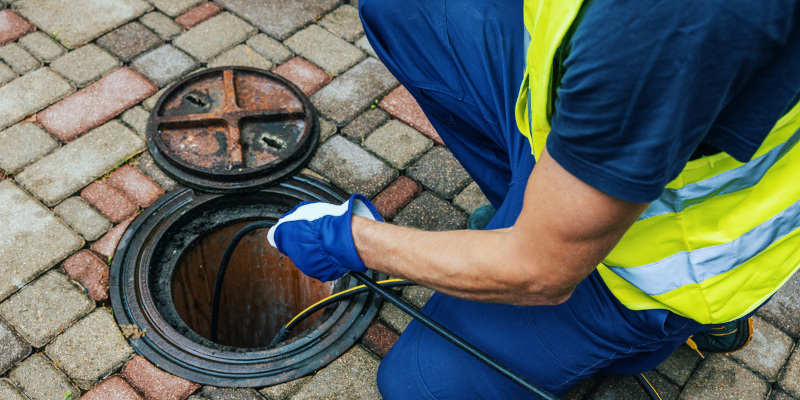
[{"x": 237, "y": 137}]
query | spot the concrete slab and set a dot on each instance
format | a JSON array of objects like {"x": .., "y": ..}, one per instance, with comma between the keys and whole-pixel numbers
[
  {"x": 173, "y": 8},
  {"x": 85, "y": 64},
  {"x": 161, "y": 24},
  {"x": 790, "y": 379},
  {"x": 76, "y": 22},
  {"x": 398, "y": 144},
  {"x": 30, "y": 93},
  {"x": 32, "y": 239},
  {"x": 39, "y": 379},
  {"x": 42, "y": 46},
  {"x": 23, "y": 144},
  {"x": 394, "y": 317},
  {"x": 325, "y": 49},
  {"x": 90, "y": 349},
  {"x": 429, "y": 212},
  {"x": 680, "y": 365},
  {"x": 270, "y": 48},
  {"x": 285, "y": 390},
  {"x": 83, "y": 218},
  {"x": 279, "y": 18},
  {"x": 164, "y": 64},
  {"x": 352, "y": 376},
  {"x": 783, "y": 310},
  {"x": 365, "y": 124},
  {"x": 44, "y": 308},
  {"x": 354, "y": 91},
  {"x": 6, "y": 74},
  {"x": 213, "y": 393},
  {"x": 351, "y": 167},
  {"x": 136, "y": 118},
  {"x": 241, "y": 55},
  {"x": 9, "y": 391},
  {"x": 438, "y": 170},
  {"x": 214, "y": 36},
  {"x": 768, "y": 350},
  {"x": 344, "y": 22},
  {"x": 12, "y": 348},
  {"x": 618, "y": 387},
  {"x": 719, "y": 377},
  {"x": 129, "y": 41},
  {"x": 19, "y": 59},
  {"x": 470, "y": 198},
  {"x": 71, "y": 167}
]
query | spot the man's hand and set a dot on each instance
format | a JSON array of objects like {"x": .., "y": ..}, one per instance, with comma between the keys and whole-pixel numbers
[{"x": 318, "y": 237}]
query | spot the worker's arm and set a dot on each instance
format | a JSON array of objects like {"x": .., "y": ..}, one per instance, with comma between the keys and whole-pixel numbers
[{"x": 564, "y": 231}]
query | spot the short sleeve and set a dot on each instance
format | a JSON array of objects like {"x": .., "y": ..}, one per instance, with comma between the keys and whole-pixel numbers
[{"x": 646, "y": 81}]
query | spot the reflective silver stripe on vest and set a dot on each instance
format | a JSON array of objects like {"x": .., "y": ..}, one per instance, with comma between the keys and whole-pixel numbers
[
  {"x": 695, "y": 266},
  {"x": 742, "y": 177}
]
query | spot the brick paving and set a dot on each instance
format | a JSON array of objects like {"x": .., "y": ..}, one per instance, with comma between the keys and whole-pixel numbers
[{"x": 78, "y": 79}]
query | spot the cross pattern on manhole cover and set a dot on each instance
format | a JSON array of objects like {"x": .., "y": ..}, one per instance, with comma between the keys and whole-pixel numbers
[{"x": 232, "y": 121}]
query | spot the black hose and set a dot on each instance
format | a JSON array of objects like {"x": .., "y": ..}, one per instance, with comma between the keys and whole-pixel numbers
[
  {"x": 452, "y": 338},
  {"x": 648, "y": 388},
  {"x": 223, "y": 266}
]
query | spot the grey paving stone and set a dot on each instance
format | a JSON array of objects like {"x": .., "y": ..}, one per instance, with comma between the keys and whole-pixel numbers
[
  {"x": 149, "y": 168},
  {"x": 326, "y": 129},
  {"x": 285, "y": 390},
  {"x": 42, "y": 46},
  {"x": 161, "y": 24},
  {"x": 719, "y": 377},
  {"x": 136, "y": 118},
  {"x": 164, "y": 64},
  {"x": 352, "y": 376},
  {"x": 213, "y": 393},
  {"x": 429, "y": 212},
  {"x": 344, "y": 21},
  {"x": 39, "y": 379},
  {"x": 174, "y": 8},
  {"x": 150, "y": 102},
  {"x": 783, "y": 310},
  {"x": 394, "y": 317},
  {"x": 365, "y": 124},
  {"x": 32, "y": 239},
  {"x": 617, "y": 387},
  {"x": 6, "y": 74},
  {"x": 790, "y": 378},
  {"x": 12, "y": 349},
  {"x": 363, "y": 44},
  {"x": 354, "y": 91},
  {"x": 279, "y": 18},
  {"x": 46, "y": 307},
  {"x": 23, "y": 144},
  {"x": 30, "y": 93},
  {"x": 85, "y": 64},
  {"x": 768, "y": 350},
  {"x": 83, "y": 218},
  {"x": 129, "y": 41},
  {"x": 438, "y": 170},
  {"x": 90, "y": 349},
  {"x": 214, "y": 36},
  {"x": 73, "y": 166},
  {"x": 9, "y": 391},
  {"x": 678, "y": 367},
  {"x": 270, "y": 48},
  {"x": 241, "y": 55},
  {"x": 779, "y": 395},
  {"x": 417, "y": 295},
  {"x": 398, "y": 144},
  {"x": 18, "y": 59},
  {"x": 582, "y": 389},
  {"x": 351, "y": 168},
  {"x": 75, "y": 22},
  {"x": 324, "y": 49},
  {"x": 470, "y": 198}
]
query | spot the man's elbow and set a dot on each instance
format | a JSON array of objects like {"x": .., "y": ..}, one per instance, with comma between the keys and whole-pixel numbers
[{"x": 545, "y": 292}]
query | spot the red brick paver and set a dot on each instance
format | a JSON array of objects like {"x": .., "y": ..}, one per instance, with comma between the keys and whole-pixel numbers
[
  {"x": 396, "y": 196},
  {"x": 195, "y": 16},
  {"x": 400, "y": 104},
  {"x": 109, "y": 200},
  {"x": 141, "y": 189},
  {"x": 307, "y": 76},
  {"x": 13, "y": 27},
  {"x": 113, "y": 388},
  {"x": 379, "y": 339},
  {"x": 95, "y": 104},
  {"x": 107, "y": 244},
  {"x": 155, "y": 383},
  {"x": 90, "y": 271}
]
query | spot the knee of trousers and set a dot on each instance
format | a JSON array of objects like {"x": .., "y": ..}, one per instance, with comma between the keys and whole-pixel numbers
[{"x": 395, "y": 374}]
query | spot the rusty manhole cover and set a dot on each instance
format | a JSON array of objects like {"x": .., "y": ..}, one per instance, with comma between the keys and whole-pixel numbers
[{"x": 232, "y": 129}]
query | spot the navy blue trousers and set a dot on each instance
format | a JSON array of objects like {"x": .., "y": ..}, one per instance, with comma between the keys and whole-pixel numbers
[{"x": 463, "y": 61}]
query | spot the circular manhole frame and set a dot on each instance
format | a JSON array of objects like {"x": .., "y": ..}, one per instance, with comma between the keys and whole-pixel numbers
[
  {"x": 206, "y": 363},
  {"x": 231, "y": 100}
]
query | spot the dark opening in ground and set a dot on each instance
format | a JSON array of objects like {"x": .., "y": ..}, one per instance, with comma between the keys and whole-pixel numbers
[{"x": 263, "y": 289}]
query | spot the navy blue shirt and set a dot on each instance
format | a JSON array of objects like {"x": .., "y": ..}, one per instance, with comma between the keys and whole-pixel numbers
[{"x": 646, "y": 82}]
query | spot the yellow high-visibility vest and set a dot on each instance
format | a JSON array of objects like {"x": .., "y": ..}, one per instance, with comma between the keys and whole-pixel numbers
[{"x": 721, "y": 239}]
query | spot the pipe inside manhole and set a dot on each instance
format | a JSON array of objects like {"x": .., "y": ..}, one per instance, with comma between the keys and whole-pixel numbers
[{"x": 263, "y": 289}]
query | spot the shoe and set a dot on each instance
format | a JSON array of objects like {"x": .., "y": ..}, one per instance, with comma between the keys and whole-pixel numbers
[
  {"x": 727, "y": 338},
  {"x": 480, "y": 218}
]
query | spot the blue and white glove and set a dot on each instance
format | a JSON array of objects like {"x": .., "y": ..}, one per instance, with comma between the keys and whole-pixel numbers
[{"x": 318, "y": 237}]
